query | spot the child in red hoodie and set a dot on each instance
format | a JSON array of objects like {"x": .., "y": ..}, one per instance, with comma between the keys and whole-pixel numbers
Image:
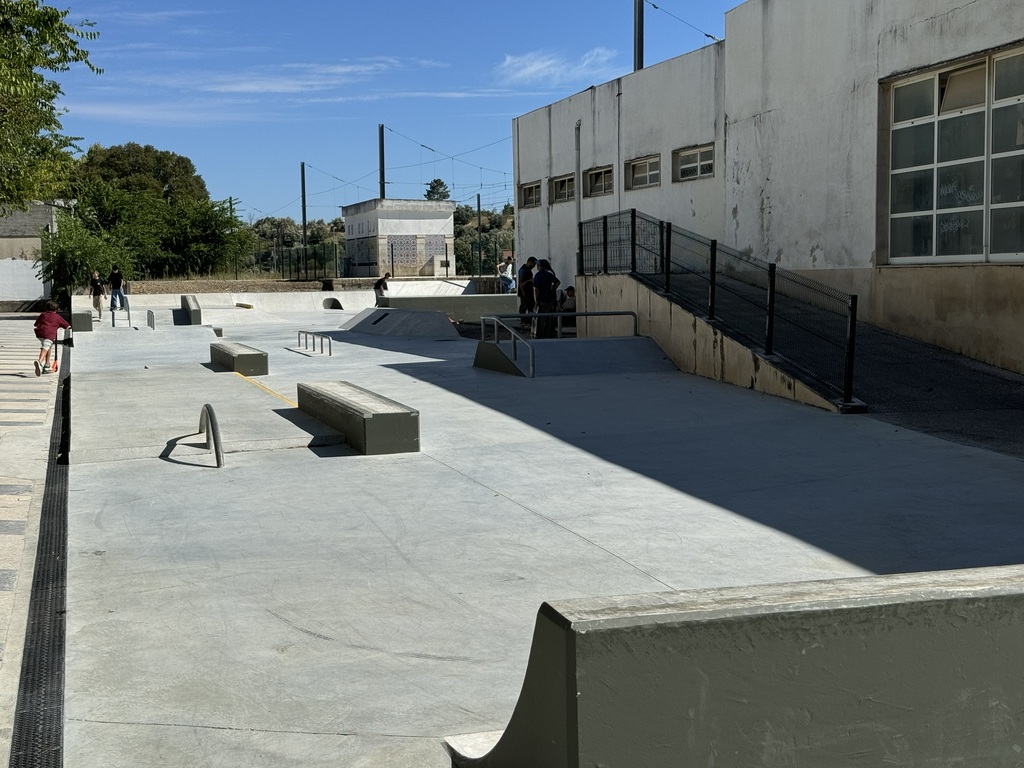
[{"x": 46, "y": 331}]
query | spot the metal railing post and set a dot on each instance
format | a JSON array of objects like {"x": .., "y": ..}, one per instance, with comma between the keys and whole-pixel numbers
[
  {"x": 604, "y": 242},
  {"x": 668, "y": 255},
  {"x": 769, "y": 325},
  {"x": 208, "y": 424},
  {"x": 713, "y": 267},
  {"x": 632, "y": 240},
  {"x": 851, "y": 343}
]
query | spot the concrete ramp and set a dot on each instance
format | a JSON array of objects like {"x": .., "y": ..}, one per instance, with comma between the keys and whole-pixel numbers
[
  {"x": 914, "y": 669},
  {"x": 385, "y": 321}
]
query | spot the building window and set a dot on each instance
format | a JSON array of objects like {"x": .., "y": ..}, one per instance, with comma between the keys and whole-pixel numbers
[
  {"x": 529, "y": 195},
  {"x": 693, "y": 163},
  {"x": 956, "y": 176},
  {"x": 562, "y": 189},
  {"x": 599, "y": 182},
  {"x": 643, "y": 172}
]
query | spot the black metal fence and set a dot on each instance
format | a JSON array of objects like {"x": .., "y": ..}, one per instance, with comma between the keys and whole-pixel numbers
[
  {"x": 312, "y": 262},
  {"x": 809, "y": 324}
]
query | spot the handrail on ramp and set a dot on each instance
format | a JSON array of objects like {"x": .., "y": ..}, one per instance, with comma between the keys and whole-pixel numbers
[
  {"x": 208, "y": 424},
  {"x": 304, "y": 336}
]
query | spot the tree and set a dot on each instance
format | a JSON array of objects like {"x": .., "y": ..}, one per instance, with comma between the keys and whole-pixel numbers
[
  {"x": 34, "y": 157},
  {"x": 70, "y": 254},
  {"x": 437, "y": 190},
  {"x": 146, "y": 169}
]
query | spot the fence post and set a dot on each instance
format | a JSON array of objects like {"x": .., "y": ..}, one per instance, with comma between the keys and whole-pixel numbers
[
  {"x": 851, "y": 343},
  {"x": 769, "y": 330},
  {"x": 713, "y": 266},
  {"x": 604, "y": 242},
  {"x": 668, "y": 255},
  {"x": 579, "y": 248},
  {"x": 632, "y": 240}
]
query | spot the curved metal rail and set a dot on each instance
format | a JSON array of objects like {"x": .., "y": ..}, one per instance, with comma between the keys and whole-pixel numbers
[{"x": 208, "y": 424}]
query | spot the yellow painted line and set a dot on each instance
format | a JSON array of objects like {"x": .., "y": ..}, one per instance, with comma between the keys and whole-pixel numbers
[{"x": 266, "y": 389}]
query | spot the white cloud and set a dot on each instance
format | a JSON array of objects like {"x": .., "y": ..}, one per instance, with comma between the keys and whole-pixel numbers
[{"x": 540, "y": 67}]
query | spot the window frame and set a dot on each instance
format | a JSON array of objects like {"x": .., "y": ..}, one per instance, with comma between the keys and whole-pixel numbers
[
  {"x": 700, "y": 164},
  {"x": 645, "y": 162},
  {"x": 562, "y": 189},
  {"x": 526, "y": 194},
  {"x": 607, "y": 185}
]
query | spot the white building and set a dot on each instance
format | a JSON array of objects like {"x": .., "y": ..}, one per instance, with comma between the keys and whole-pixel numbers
[
  {"x": 877, "y": 145},
  {"x": 403, "y": 237},
  {"x": 20, "y": 244}
]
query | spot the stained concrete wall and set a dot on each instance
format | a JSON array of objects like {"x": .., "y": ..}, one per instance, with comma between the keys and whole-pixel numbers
[
  {"x": 795, "y": 101},
  {"x": 906, "y": 670},
  {"x": 692, "y": 344}
]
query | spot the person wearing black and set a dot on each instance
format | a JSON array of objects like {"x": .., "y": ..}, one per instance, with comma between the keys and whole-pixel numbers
[
  {"x": 116, "y": 281},
  {"x": 527, "y": 301},
  {"x": 546, "y": 286},
  {"x": 380, "y": 290},
  {"x": 98, "y": 293}
]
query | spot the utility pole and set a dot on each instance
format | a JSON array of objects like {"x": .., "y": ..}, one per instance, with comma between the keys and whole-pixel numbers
[
  {"x": 305, "y": 257},
  {"x": 638, "y": 34},
  {"x": 380, "y": 154},
  {"x": 479, "y": 237}
]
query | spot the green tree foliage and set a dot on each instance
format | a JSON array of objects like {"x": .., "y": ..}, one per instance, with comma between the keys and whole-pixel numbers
[
  {"x": 70, "y": 255},
  {"x": 35, "y": 39},
  {"x": 437, "y": 190},
  {"x": 144, "y": 169}
]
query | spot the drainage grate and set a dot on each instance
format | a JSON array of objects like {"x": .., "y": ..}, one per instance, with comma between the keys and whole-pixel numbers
[{"x": 37, "y": 736}]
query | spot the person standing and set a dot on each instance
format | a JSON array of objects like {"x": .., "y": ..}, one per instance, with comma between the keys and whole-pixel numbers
[
  {"x": 46, "y": 331},
  {"x": 527, "y": 300},
  {"x": 546, "y": 286},
  {"x": 116, "y": 281},
  {"x": 380, "y": 290},
  {"x": 506, "y": 274},
  {"x": 98, "y": 293}
]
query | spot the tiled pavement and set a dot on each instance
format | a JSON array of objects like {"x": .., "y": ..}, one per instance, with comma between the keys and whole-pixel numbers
[{"x": 26, "y": 411}]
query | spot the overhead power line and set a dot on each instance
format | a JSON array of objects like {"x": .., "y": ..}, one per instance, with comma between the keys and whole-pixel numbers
[{"x": 683, "y": 21}]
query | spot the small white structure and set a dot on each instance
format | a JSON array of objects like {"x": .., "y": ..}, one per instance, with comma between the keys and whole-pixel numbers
[
  {"x": 20, "y": 244},
  {"x": 403, "y": 237},
  {"x": 877, "y": 147}
]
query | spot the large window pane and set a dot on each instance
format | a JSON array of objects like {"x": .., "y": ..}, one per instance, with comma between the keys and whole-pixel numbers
[
  {"x": 910, "y": 237},
  {"x": 962, "y": 137},
  {"x": 960, "y": 234},
  {"x": 1008, "y": 128},
  {"x": 962, "y": 90},
  {"x": 1008, "y": 179},
  {"x": 1009, "y": 73},
  {"x": 1008, "y": 230},
  {"x": 961, "y": 186},
  {"x": 913, "y": 146},
  {"x": 913, "y": 100},
  {"x": 912, "y": 191}
]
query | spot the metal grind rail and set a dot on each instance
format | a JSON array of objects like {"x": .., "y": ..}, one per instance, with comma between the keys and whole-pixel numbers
[
  {"x": 805, "y": 323},
  {"x": 208, "y": 424},
  {"x": 496, "y": 322},
  {"x": 305, "y": 336}
]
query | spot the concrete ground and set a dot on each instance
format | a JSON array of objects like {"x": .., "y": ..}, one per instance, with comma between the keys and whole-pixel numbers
[{"x": 306, "y": 605}]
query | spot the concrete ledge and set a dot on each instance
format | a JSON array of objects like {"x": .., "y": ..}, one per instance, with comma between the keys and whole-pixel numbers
[
  {"x": 190, "y": 305},
  {"x": 240, "y": 358},
  {"x": 81, "y": 321},
  {"x": 915, "y": 669},
  {"x": 371, "y": 423}
]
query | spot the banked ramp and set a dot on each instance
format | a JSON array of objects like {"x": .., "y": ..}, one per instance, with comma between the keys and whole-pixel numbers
[{"x": 914, "y": 669}]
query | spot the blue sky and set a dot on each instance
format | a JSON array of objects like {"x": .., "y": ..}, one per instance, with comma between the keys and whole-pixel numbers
[{"x": 249, "y": 90}]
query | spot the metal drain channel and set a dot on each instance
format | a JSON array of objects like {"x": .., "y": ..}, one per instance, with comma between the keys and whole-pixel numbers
[{"x": 37, "y": 739}]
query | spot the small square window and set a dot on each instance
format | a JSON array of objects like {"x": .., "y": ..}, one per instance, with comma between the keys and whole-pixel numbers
[
  {"x": 693, "y": 163},
  {"x": 562, "y": 189},
  {"x": 599, "y": 182},
  {"x": 644, "y": 172},
  {"x": 529, "y": 195}
]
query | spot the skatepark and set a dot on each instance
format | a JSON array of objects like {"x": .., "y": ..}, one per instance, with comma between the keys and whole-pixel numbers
[{"x": 309, "y": 604}]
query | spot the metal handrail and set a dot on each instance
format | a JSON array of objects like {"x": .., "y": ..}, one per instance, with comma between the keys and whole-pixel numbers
[
  {"x": 560, "y": 315},
  {"x": 208, "y": 424},
  {"x": 306, "y": 335},
  {"x": 499, "y": 320}
]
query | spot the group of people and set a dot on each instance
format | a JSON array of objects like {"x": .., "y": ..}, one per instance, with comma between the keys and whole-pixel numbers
[
  {"x": 98, "y": 290},
  {"x": 538, "y": 292}
]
